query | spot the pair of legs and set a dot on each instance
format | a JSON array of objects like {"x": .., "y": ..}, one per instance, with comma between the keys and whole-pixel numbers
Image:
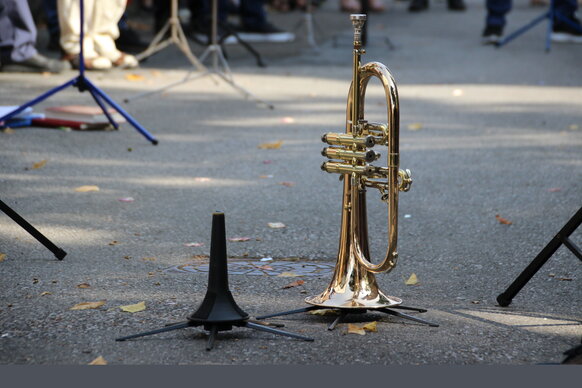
[
  {"x": 497, "y": 10},
  {"x": 100, "y": 29}
]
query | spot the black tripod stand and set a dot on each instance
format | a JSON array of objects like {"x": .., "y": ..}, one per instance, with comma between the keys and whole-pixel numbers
[
  {"x": 563, "y": 237},
  {"x": 342, "y": 313},
  {"x": 58, "y": 252},
  {"x": 218, "y": 311}
]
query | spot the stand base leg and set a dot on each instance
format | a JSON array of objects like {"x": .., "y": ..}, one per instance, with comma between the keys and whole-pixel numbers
[
  {"x": 344, "y": 312},
  {"x": 256, "y": 326}
]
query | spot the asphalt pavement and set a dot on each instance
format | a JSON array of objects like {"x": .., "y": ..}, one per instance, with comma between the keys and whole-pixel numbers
[{"x": 493, "y": 138}]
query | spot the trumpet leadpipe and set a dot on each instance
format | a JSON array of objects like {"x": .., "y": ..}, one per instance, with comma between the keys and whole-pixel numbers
[
  {"x": 345, "y": 139},
  {"x": 348, "y": 155}
]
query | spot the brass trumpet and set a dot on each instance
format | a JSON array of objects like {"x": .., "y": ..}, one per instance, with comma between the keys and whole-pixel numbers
[
  {"x": 353, "y": 288},
  {"x": 353, "y": 284}
]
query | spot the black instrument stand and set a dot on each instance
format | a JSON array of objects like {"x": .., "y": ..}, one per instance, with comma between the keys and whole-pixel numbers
[
  {"x": 219, "y": 311},
  {"x": 344, "y": 312},
  {"x": 563, "y": 237},
  {"x": 214, "y": 50},
  {"x": 58, "y": 252}
]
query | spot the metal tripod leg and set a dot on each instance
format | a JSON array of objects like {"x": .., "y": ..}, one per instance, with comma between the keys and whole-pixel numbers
[
  {"x": 409, "y": 308},
  {"x": 406, "y": 316},
  {"x": 337, "y": 320},
  {"x": 301, "y": 310},
  {"x": 212, "y": 337},
  {"x": 58, "y": 252},
  {"x": 162, "y": 330},
  {"x": 258, "y": 327}
]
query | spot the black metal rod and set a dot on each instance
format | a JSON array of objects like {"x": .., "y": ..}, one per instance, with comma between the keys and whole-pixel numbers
[
  {"x": 572, "y": 247},
  {"x": 212, "y": 337},
  {"x": 409, "y": 308},
  {"x": 505, "y": 298},
  {"x": 301, "y": 310},
  {"x": 337, "y": 320},
  {"x": 162, "y": 330},
  {"x": 255, "y": 326},
  {"x": 58, "y": 252},
  {"x": 410, "y": 317}
]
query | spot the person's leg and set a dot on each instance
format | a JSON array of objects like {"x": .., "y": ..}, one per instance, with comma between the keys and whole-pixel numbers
[
  {"x": 496, "y": 11},
  {"x": 562, "y": 31},
  {"x": 18, "y": 40},
  {"x": 17, "y": 31},
  {"x": 252, "y": 14},
  {"x": 105, "y": 30},
  {"x": 495, "y": 20},
  {"x": 567, "y": 8}
]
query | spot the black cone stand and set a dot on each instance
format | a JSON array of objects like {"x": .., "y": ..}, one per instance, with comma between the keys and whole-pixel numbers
[{"x": 218, "y": 311}]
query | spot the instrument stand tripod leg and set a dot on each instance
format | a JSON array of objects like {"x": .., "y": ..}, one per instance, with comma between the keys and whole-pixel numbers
[
  {"x": 256, "y": 326},
  {"x": 58, "y": 252},
  {"x": 212, "y": 337},
  {"x": 341, "y": 316},
  {"x": 409, "y": 317},
  {"x": 310, "y": 25},
  {"x": 244, "y": 43},
  {"x": 301, "y": 310},
  {"x": 156, "y": 331},
  {"x": 562, "y": 237}
]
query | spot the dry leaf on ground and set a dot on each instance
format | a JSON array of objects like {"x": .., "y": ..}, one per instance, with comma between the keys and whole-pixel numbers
[
  {"x": 134, "y": 77},
  {"x": 270, "y": 146},
  {"x": 355, "y": 329},
  {"x": 2, "y": 257},
  {"x": 276, "y": 225},
  {"x": 134, "y": 308},
  {"x": 84, "y": 285},
  {"x": 502, "y": 220},
  {"x": 40, "y": 164},
  {"x": 239, "y": 239},
  {"x": 287, "y": 184},
  {"x": 414, "y": 126},
  {"x": 324, "y": 312},
  {"x": 87, "y": 305},
  {"x": 293, "y": 284},
  {"x": 98, "y": 361},
  {"x": 287, "y": 275},
  {"x": 370, "y": 326},
  {"x": 126, "y": 199},
  {"x": 149, "y": 259},
  {"x": 87, "y": 188},
  {"x": 8, "y": 130},
  {"x": 412, "y": 280},
  {"x": 45, "y": 293}
]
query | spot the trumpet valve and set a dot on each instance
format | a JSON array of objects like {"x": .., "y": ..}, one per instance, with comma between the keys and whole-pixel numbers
[{"x": 405, "y": 180}]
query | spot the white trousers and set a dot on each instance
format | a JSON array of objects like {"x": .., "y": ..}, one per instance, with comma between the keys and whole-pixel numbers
[{"x": 100, "y": 27}]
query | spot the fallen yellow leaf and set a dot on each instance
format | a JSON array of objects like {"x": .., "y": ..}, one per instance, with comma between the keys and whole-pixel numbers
[
  {"x": 414, "y": 126},
  {"x": 134, "y": 77},
  {"x": 370, "y": 326},
  {"x": 83, "y": 285},
  {"x": 84, "y": 189},
  {"x": 412, "y": 280},
  {"x": 287, "y": 274},
  {"x": 8, "y": 130},
  {"x": 270, "y": 146},
  {"x": 40, "y": 164},
  {"x": 2, "y": 257},
  {"x": 324, "y": 312},
  {"x": 574, "y": 127},
  {"x": 149, "y": 259},
  {"x": 293, "y": 284},
  {"x": 355, "y": 329},
  {"x": 87, "y": 305},
  {"x": 46, "y": 293},
  {"x": 98, "y": 361},
  {"x": 133, "y": 308}
]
